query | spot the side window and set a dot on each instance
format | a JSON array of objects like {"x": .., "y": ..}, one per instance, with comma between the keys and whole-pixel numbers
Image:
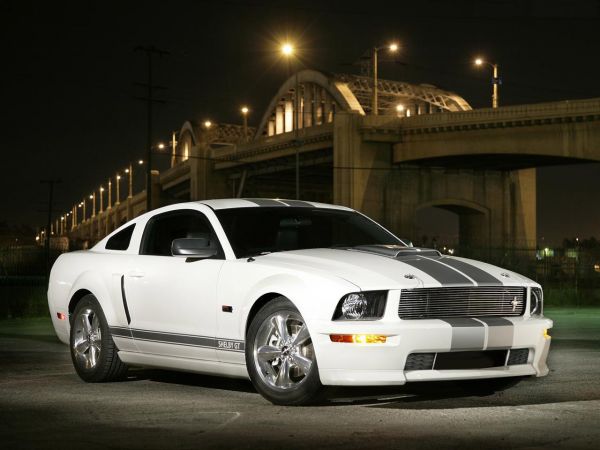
[
  {"x": 121, "y": 240},
  {"x": 162, "y": 229}
]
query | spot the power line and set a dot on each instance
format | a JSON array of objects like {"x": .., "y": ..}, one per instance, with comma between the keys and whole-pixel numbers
[{"x": 150, "y": 51}]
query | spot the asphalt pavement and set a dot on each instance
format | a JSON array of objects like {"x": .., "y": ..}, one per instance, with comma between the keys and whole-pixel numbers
[{"x": 43, "y": 404}]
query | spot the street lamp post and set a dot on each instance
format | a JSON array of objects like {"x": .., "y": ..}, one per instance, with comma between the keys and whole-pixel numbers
[
  {"x": 495, "y": 79},
  {"x": 129, "y": 171},
  {"x": 109, "y": 201},
  {"x": 118, "y": 186},
  {"x": 101, "y": 200},
  {"x": 288, "y": 51},
  {"x": 245, "y": 111},
  {"x": 93, "y": 199},
  {"x": 393, "y": 47}
]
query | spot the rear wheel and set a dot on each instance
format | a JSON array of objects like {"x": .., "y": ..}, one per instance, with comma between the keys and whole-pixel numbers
[
  {"x": 93, "y": 351},
  {"x": 280, "y": 355}
]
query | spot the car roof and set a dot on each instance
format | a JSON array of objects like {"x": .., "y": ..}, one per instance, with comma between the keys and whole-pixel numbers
[{"x": 227, "y": 203}]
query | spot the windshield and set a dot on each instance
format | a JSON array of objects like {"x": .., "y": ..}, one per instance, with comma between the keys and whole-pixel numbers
[{"x": 252, "y": 231}]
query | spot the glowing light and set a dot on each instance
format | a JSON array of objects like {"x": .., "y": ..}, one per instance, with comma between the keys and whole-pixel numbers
[
  {"x": 393, "y": 47},
  {"x": 91, "y": 197},
  {"x": 478, "y": 61},
  {"x": 126, "y": 170},
  {"x": 207, "y": 124},
  {"x": 245, "y": 110},
  {"x": 161, "y": 146},
  {"x": 358, "y": 338},
  {"x": 101, "y": 189},
  {"x": 287, "y": 49},
  {"x": 400, "y": 107},
  {"x": 546, "y": 334},
  {"x": 118, "y": 177},
  {"x": 140, "y": 162}
]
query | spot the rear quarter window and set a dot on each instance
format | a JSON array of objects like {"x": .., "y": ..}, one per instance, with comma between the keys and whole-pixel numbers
[{"x": 121, "y": 240}]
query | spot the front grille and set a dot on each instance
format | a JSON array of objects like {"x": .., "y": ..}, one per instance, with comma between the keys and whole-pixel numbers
[{"x": 475, "y": 301}]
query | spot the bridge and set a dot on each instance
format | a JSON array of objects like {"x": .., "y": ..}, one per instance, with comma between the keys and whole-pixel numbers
[{"x": 426, "y": 147}]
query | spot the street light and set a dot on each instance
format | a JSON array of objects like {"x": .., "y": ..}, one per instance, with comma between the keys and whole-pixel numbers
[
  {"x": 101, "y": 199},
  {"x": 245, "y": 112},
  {"x": 495, "y": 79},
  {"x": 161, "y": 146},
  {"x": 287, "y": 49},
  {"x": 118, "y": 186},
  {"x": 400, "y": 109},
  {"x": 207, "y": 124},
  {"x": 392, "y": 47}
]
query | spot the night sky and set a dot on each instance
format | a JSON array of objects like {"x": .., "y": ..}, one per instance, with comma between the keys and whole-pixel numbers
[{"x": 68, "y": 72}]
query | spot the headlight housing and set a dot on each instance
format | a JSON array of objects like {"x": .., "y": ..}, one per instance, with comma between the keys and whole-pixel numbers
[
  {"x": 536, "y": 302},
  {"x": 369, "y": 305}
]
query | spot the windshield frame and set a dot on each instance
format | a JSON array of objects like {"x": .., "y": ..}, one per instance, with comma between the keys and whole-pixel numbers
[{"x": 223, "y": 221}]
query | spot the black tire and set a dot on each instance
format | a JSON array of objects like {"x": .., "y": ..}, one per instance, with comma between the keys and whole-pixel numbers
[
  {"x": 308, "y": 390},
  {"x": 107, "y": 366}
]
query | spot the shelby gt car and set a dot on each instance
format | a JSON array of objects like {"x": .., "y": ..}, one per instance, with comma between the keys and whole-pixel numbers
[{"x": 294, "y": 295}]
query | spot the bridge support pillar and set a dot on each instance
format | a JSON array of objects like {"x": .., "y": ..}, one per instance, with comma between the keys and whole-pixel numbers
[
  {"x": 205, "y": 182},
  {"x": 496, "y": 208},
  {"x": 360, "y": 169}
]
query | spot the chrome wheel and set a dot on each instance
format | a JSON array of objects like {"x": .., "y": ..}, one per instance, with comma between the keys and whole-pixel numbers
[
  {"x": 87, "y": 339},
  {"x": 283, "y": 350}
]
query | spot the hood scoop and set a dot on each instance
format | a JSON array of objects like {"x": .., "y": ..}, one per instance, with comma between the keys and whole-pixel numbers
[{"x": 397, "y": 251}]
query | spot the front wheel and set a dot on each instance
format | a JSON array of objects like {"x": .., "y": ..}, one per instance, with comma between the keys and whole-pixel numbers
[
  {"x": 93, "y": 350},
  {"x": 280, "y": 356}
]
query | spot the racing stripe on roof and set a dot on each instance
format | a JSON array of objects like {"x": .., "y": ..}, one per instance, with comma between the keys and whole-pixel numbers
[
  {"x": 297, "y": 203},
  {"x": 265, "y": 202},
  {"x": 447, "y": 276},
  {"x": 481, "y": 277}
]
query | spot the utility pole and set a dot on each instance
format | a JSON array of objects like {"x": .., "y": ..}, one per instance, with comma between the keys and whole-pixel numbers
[
  {"x": 150, "y": 51},
  {"x": 50, "y": 184}
]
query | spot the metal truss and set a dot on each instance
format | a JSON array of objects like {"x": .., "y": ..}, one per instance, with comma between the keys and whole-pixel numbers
[
  {"x": 227, "y": 133},
  {"x": 391, "y": 92}
]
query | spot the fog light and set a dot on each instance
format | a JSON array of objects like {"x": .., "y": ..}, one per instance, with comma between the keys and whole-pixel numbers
[
  {"x": 546, "y": 334},
  {"x": 358, "y": 338}
]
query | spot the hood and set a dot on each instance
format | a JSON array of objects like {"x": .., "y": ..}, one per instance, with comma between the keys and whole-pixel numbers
[{"x": 373, "y": 268}]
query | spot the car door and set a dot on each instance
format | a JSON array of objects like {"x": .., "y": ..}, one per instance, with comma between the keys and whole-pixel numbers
[{"x": 172, "y": 300}]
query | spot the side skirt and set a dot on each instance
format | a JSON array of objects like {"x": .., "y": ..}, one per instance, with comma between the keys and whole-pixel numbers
[{"x": 185, "y": 364}]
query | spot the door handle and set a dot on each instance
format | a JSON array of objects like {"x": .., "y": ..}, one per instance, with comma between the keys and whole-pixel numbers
[{"x": 136, "y": 274}]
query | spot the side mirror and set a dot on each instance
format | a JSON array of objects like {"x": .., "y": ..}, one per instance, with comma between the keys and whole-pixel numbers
[{"x": 194, "y": 247}]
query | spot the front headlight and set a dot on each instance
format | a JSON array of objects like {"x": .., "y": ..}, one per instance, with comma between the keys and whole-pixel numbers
[
  {"x": 536, "y": 302},
  {"x": 368, "y": 305}
]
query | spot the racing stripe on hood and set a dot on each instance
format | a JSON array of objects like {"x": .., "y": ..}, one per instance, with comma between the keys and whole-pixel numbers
[
  {"x": 481, "y": 277},
  {"x": 447, "y": 276},
  {"x": 501, "y": 332},
  {"x": 467, "y": 333}
]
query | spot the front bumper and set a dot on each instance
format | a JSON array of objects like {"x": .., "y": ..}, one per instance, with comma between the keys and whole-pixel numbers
[{"x": 384, "y": 364}]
